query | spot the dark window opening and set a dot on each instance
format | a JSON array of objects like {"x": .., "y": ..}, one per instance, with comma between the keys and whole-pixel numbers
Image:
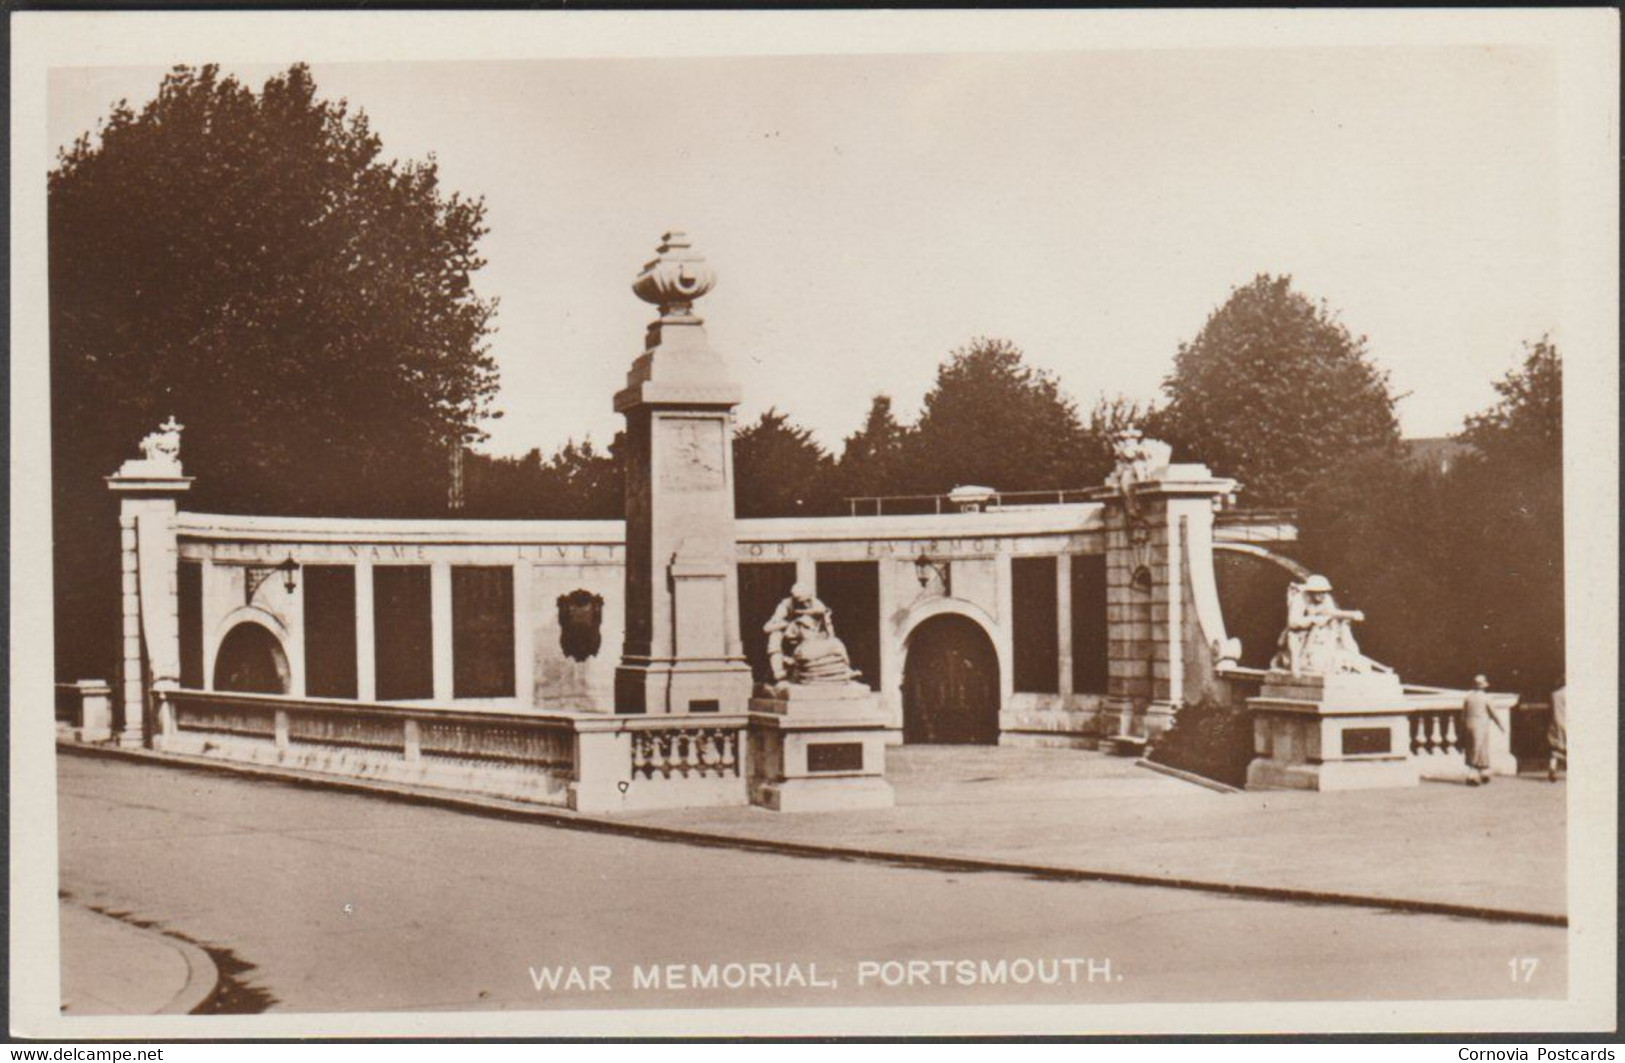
[
  {"x": 330, "y": 658},
  {"x": 189, "y": 587},
  {"x": 482, "y": 632},
  {"x": 1035, "y": 627},
  {"x": 1089, "y": 624},
  {"x": 851, "y": 589},
  {"x": 403, "y": 630}
]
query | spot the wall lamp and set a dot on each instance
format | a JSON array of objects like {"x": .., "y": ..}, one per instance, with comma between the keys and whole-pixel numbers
[{"x": 255, "y": 577}]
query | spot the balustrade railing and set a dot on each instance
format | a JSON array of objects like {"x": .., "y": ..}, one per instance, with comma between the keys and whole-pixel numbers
[
  {"x": 689, "y": 753},
  {"x": 587, "y": 761},
  {"x": 514, "y": 755},
  {"x": 1437, "y": 733}
]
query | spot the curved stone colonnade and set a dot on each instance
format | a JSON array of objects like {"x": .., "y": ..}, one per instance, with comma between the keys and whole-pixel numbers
[{"x": 222, "y": 575}]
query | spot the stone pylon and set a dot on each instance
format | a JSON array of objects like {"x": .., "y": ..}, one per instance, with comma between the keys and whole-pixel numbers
[
  {"x": 1165, "y": 630},
  {"x": 682, "y": 651},
  {"x": 149, "y": 489}
]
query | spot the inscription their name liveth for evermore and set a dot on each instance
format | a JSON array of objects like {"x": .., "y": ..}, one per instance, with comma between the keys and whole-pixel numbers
[{"x": 880, "y": 974}]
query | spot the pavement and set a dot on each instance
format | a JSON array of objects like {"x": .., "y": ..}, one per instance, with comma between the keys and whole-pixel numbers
[
  {"x": 332, "y": 900},
  {"x": 1497, "y": 850},
  {"x": 111, "y": 966}
]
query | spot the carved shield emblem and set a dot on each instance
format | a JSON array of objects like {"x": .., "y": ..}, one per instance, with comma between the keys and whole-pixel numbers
[{"x": 581, "y": 615}]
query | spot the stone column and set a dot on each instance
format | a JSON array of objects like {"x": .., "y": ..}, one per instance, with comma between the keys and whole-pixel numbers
[
  {"x": 440, "y": 621},
  {"x": 524, "y": 632},
  {"x": 149, "y": 488},
  {"x": 1063, "y": 627},
  {"x": 366, "y": 641},
  {"x": 682, "y": 651},
  {"x": 1153, "y": 508},
  {"x": 891, "y": 645},
  {"x": 1005, "y": 636}
]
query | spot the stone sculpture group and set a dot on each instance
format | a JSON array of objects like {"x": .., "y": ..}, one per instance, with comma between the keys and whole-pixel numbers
[
  {"x": 1319, "y": 636},
  {"x": 801, "y": 645}
]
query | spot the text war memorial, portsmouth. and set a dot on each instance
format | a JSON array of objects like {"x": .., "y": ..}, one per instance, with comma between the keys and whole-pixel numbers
[{"x": 689, "y": 658}]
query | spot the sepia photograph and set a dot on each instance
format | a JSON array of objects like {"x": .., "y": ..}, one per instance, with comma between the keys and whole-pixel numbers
[{"x": 842, "y": 523}]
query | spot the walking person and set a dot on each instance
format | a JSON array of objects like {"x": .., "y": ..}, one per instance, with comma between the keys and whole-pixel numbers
[
  {"x": 1557, "y": 734},
  {"x": 1478, "y": 715}
]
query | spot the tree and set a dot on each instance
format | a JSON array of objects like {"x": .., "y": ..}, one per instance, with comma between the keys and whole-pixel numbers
[
  {"x": 1380, "y": 528},
  {"x": 872, "y": 460},
  {"x": 1275, "y": 391},
  {"x": 1459, "y": 572},
  {"x": 991, "y": 419},
  {"x": 1525, "y": 427},
  {"x": 1510, "y": 525},
  {"x": 248, "y": 263},
  {"x": 576, "y": 482},
  {"x": 780, "y": 471}
]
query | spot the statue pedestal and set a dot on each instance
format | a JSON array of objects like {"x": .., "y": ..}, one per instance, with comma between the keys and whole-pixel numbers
[
  {"x": 818, "y": 748},
  {"x": 1335, "y": 732}
]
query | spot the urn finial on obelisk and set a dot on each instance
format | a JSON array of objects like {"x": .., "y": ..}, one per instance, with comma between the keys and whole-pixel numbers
[{"x": 675, "y": 277}]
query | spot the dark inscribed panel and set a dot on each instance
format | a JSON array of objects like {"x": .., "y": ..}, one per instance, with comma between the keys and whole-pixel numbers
[
  {"x": 851, "y": 589},
  {"x": 189, "y": 586},
  {"x": 330, "y": 658},
  {"x": 403, "y": 632},
  {"x": 1035, "y": 628},
  {"x": 482, "y": 631},
  {"x": 835, "y": 756},
  {"x": 762, "y": 586},
  {"x": 1360, "y": 741}
]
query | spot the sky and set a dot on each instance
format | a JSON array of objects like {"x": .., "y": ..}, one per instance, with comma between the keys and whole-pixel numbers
[{"x": 868, "y": 214}]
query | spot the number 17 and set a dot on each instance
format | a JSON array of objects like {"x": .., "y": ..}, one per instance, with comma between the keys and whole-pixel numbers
[{"x": 1523, "y": 968}]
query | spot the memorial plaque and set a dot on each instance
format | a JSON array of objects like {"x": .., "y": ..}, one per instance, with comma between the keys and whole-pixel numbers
[
  {"x": 1359, "y": 740},
  {"x": 693, "y": 455},
  {"x": 835, "y": 756}
]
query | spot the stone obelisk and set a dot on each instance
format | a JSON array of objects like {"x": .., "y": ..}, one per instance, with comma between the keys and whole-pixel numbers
[{"x": 682, "y": 651}]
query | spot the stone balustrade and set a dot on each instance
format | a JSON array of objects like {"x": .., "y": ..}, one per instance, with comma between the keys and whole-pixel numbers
[
  {"x": 1437, "y": 733},
  {"x": 1439, "y": 737},
  {"x": 583, "y": 761}
]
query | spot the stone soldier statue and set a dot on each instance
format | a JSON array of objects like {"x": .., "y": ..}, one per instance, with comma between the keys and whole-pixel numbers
[
  {"x": 801, "y": 645},
  {"x": 1319, "y": 637}
]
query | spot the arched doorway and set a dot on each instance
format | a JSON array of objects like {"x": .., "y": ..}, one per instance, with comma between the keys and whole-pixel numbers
[
  {"x": 251, "y": 661},
  {"x": 950, "y": 683}
]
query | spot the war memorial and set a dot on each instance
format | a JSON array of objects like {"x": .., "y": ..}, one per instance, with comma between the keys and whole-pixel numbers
[{"x": 687, "y": 658}]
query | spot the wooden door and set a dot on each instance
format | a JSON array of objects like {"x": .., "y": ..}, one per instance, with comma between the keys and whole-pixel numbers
[
  {"x": 950, "y": 684},
  {"x": 251, "y": 661}
]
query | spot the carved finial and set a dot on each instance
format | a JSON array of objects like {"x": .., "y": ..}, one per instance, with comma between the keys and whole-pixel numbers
[
  {"x": 164, "y": 445},
  {"x": 674, "y": 279}
]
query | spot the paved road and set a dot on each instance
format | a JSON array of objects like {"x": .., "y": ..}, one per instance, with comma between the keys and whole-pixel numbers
[{"x": 343, "y": 902}]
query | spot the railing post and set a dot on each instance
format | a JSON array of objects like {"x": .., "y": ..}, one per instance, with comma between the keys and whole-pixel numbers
[
  {"x": 162, "y": 693},
  {"x": 602, "y": 773},
  {"x": 95, "y": 710},
  {"x": 411, "y": 740},
  {"x": 281, "y": 728}
]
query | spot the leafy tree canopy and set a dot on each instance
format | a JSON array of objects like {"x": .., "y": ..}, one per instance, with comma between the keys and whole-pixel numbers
[
  {"x": 249, "y": 263},
  {"x": 578, "y": 481},
  {"x": 1459, "y": 572},
  {"x": 779, "y": 470},
  {"x": 992, "y": 419},
  {"x": 872, "y": 460},
  {"x": 1275, "y": 391},
  {"x": 1526, "y": 425}
]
